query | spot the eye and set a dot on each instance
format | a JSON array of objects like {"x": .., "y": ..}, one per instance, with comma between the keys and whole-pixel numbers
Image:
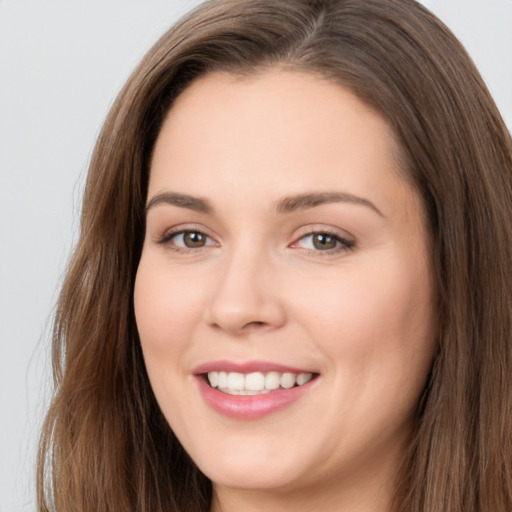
[
  {"x": 187, "y": 239},
  {"x": 323, "y": 242}
]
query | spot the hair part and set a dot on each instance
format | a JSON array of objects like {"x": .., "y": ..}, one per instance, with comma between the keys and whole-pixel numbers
[{"x": 106, "y": 445}]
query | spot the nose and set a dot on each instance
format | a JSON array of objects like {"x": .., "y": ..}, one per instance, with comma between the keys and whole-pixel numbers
[{"x": 246, "y": 297}]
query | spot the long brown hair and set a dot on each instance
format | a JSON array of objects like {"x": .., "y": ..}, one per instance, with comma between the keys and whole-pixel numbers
[{"x": 105, "y": 444}]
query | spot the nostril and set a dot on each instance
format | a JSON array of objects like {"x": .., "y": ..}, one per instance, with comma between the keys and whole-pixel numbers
[{"x": 255, "y": 324}]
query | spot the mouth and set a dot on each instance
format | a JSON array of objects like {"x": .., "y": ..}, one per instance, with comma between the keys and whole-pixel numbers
[
  {"x": 253, "y": 389},
  {"x": 255, "y": 383}
]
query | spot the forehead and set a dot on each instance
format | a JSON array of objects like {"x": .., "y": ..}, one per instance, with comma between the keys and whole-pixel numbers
[
  {"x": 276, "y": 131},
  {"x": 267, "y": 99}
]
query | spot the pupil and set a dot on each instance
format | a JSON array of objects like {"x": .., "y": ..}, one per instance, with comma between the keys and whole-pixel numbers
[
  {"x": 323, "y": 241},
  {"x": 194, "y": 239}
]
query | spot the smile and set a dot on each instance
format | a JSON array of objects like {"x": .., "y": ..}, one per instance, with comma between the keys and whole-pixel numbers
[
  {"x": 252, "y": 390},
  {"x": 255, "y": 383}
]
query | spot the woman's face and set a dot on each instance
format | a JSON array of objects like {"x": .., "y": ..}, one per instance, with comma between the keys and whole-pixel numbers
[{"x": 284, "y": 249}]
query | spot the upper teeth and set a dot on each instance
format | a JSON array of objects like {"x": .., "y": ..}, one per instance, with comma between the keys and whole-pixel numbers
[{"x": 251, "y": 383}]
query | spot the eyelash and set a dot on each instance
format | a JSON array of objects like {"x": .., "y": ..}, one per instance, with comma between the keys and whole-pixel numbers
[
  {"x": 167, "y": 239},
  {"x": 342, "y": 244}
]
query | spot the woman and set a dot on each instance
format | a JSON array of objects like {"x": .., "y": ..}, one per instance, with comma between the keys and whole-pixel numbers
[{"x": 291, "y": 285}]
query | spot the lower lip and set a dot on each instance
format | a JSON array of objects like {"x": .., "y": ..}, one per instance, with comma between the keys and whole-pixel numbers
[{"x": 250, "y": 407}]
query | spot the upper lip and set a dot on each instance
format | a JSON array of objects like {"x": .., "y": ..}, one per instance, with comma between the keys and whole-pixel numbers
[{"x": 246, "y": 367}]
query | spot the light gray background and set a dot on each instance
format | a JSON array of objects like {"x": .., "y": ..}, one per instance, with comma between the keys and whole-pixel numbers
[{"x": 61, "y": 65}]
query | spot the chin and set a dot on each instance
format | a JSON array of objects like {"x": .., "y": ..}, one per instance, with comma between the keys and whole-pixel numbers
[
  {"x": 249, "y": 479},
  {"x": 247, "y": 471}
]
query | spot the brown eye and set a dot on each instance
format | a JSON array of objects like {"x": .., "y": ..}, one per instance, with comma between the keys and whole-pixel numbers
[
  {"x": 194, "y": 239},
  {"x": 324, "y": 242},
  {"x": 187, "y": 239}
]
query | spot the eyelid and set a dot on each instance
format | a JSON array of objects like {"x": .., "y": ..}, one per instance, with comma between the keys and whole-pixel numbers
[
  {"x": 167, "y": 236},
  {"x": 345, "y": 243}
]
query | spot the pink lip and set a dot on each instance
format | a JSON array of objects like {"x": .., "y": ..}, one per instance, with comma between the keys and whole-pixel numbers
[
  {"x": 248, "y": 407},
  {"x": 246, "y": 367}
]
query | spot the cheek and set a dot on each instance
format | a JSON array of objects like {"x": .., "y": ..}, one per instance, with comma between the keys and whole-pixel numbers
[
  {"x": 166, "y": 309},
  {"x": 371, "y": 311},
  {"x": 375, "y": 327},
  {"x": 166, "y": 312}
]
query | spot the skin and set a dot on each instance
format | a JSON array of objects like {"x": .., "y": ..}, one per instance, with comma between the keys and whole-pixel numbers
[{"x": 360, "y": 315}]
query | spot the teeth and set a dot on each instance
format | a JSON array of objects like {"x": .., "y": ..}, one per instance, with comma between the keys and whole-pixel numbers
[
  {"x": 236, "y": 381},
  {"x": 223, "y": 380},
  {"x": 288, "y": 380},
  {"x": 255, "y": 383},
  {"x": 302, "y": 378},
  {"x": 213, "y": 379},
  {"x": 272, "y": 380}
]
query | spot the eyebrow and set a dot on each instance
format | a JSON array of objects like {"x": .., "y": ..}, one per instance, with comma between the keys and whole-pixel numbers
[
  {"x": 196, "y": 204},
  {"x": 286, "y": 205},
  {"x": 305, "y": 201}
]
